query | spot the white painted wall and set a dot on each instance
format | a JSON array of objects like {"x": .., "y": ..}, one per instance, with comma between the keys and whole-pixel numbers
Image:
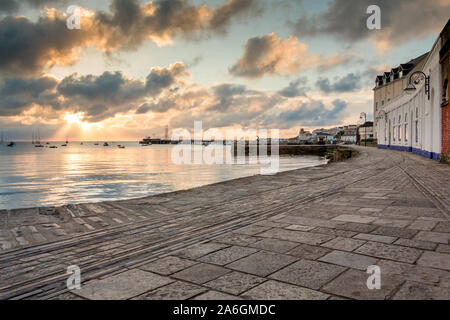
[{"x": 402, "y": 110}]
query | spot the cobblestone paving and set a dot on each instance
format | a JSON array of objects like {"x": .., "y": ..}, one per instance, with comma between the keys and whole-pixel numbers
[{"x": 304, "y": 234}]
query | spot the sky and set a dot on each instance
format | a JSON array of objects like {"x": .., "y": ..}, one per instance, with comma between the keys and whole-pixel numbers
[{"x": 135, "y": 67}]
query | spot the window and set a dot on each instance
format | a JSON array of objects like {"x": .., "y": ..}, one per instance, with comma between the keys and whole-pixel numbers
[
  {"x": 376, "y": 106},
  {"x": 406, "y": 127},
  {"x": 399, "y": 128},
  {"x": 382, "y": 102},
  {"x": 394, "y": 129},
  {"x": 417, "y": 131}
]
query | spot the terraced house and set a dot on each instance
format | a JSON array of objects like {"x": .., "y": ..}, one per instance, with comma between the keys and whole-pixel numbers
[{"x": 411, "y": 106}]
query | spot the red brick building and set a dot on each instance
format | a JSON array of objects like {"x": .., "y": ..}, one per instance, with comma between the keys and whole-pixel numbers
[{"x": 445, "y": 106}]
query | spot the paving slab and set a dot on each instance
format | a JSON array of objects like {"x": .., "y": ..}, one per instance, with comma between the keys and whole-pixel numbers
[
  {"x": 168, "y": 265},
  {"x": 375, "y": 237},
  {"x": 437, "y": 237},
  {"x": 425, "y": 225},
  {"x": 201, "y": 273},
  {"x": 275, "y": 245},
  {"x": 200, "y": 250},
  {"x": 306, "y": 251},
  {"x": 420, "y": 291},
  {"x": 410, "y": 271},
  {"x": 252, "y": 230},
  {"x": 395, "y": 232},
  {"x": 310, "y": 274},
  {"x": 297, "y": 236},
  {"x": 353, "y": 284},
  {"x": 175, "y": 291},
  {"x": 227, "y": 255},
  {"x": 125, "y": 285},
  {"x": 435, "y": 260},
  {"x": 345, "y": 244},
  {"x": 424, "y": 245},
  {"x": 354, "y": 218},
  {"x": 387, "y": 251},
  {"x": 235, "y": 283},
  {"x": 274, "y": 290},
  {"x": 347, "y": 259},
  {"x": 262, "y": 263}
]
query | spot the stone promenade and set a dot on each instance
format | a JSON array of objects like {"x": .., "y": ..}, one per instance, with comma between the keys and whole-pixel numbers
[{"x": 303, "y": 234}]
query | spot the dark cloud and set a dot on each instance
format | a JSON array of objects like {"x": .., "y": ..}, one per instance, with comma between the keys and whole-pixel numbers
[
  {"x": 401, "y": 20},
  {"x": 162, "y": 78},
  {"x": 313, "y": 113},
  {"x": 17, "y": 94},
  {"x": 225, "y": 94},
  {"x": 160, "y": 106},
  {"x": 294, "y": 89},
  {"x": 350, "y": 82},
  {"x": 28, "y": 47},
  {"x": 8, "y": 6},
  {"x": 11, "y": 6},
  {"x": 98, "y": 97},
  {"x": 223, "y": 15}
]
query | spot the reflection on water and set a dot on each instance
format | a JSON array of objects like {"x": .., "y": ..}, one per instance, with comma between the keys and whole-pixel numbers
[{"x": 31, "y": 177}]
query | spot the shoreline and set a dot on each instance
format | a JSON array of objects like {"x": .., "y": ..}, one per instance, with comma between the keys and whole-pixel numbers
[{"x": 326, "y": 151}]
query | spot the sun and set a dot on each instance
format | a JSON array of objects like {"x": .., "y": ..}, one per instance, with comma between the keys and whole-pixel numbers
[{"x": 77, "y": 119}]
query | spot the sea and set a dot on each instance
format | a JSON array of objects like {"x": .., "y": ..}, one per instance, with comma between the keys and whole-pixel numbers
[{"x": 90, "y": 172}]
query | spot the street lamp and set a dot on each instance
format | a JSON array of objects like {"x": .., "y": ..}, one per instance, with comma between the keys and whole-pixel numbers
[
  {"x": 414, "y": 79},
  {"x": 364, "y": 115}
]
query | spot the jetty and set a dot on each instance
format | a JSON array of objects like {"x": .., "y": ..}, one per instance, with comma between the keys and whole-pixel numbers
[{"x": 303, "y": 234}]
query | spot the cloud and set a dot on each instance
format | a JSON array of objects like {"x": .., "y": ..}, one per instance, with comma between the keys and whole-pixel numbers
[
  {"x": 28, "y": 47},
  {"x": 272, "y": 55},
  {"x": 401, "y": 21},
  {"x": 162, "y": 78},
  {"x": 18, "y": 94},
  {"x": 223, "y": 15},
  {"x": 350, "y": 82},
  {"x": 225, "y": 94},
  {"x": 313, "y": 113},
  {"x": 97, "y": 97},
  {"x": 294, "y": 89},
  {"x": 11, "y": 6}
]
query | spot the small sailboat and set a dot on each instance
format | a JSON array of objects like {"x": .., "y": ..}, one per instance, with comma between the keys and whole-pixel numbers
[
  {"x": 106, "y": 144},
  {"x": 38, "y": 140}
]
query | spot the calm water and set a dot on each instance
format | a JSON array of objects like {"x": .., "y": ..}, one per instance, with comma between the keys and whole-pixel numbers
[{"x": 31, "y": 177}]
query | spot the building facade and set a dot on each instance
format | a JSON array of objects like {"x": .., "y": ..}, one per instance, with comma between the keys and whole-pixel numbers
[
  {"x": 411, "y": 121},
  {"x": 445, "y": 108},
  {"x": 391, "y": 85}
]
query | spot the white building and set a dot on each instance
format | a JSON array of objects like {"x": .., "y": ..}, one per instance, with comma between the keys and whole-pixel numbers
[{"x": 412, "y": 121}]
